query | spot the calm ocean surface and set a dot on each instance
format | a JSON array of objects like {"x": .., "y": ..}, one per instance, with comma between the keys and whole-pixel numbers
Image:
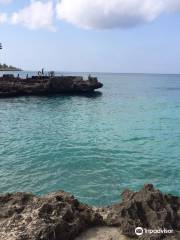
[{"x": 94, "y": 146}]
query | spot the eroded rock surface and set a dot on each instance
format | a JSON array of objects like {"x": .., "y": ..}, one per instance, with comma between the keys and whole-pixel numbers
[
  {"x": 149, "y": 209},
  {"x": 59, "y": 216}
]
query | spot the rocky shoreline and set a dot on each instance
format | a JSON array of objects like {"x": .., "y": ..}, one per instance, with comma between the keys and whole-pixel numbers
[
  {"x": 11, "y": 86},
  {"x": 5, "y": 68},
  {"x": 59, "y": 216}
]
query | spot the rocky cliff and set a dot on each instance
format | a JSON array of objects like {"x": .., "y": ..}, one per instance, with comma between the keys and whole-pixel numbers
[
  {"x": 59, "y": 216},
  {"x": 43, "y": 85}
]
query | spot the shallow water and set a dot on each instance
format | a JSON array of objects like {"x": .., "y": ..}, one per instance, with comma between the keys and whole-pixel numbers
[{"x": 94, "y": 146}]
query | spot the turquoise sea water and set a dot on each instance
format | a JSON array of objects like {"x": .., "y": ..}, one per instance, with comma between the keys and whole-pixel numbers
[{"x": 94, "y": 146}]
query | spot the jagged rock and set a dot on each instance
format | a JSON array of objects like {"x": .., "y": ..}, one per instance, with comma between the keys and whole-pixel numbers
[
  {"x": 59, "y": 216},
  {"x": 148, "y": 208},
  {"x": 44, "y": 85}
]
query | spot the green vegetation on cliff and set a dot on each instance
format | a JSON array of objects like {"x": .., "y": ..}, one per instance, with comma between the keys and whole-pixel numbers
[{"x": 4, "y": 67}]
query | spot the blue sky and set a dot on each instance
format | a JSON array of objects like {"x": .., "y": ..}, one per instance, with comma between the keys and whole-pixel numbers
[{"x": 119, "y": 41}]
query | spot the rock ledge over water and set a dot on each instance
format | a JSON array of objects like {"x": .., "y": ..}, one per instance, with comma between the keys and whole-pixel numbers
[
  {"x": 44, "y": 85},
  {"x": 59, "y": 216}
]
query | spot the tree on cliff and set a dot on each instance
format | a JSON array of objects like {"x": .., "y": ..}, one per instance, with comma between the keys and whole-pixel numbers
[{"x": 5, "y": 67}]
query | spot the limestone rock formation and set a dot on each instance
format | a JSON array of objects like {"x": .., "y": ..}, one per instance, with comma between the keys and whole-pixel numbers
[
  {"x": 44, "y": 85},
  {"x": 149, "y": 209},
  {"x": 59, "y": 216}
]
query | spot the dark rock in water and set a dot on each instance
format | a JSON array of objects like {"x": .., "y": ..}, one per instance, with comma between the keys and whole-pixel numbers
[
  {"x": 149, "y": 209},
  {"x": 44, "y": 85},
  {"x": 59, "y": 216}
]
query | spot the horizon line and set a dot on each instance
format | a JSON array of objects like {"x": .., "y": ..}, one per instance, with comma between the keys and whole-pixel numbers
[{"x": 100, "y": 72}]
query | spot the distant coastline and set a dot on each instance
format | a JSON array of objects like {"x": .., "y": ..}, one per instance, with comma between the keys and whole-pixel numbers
[{"x": 4, "y": 67}]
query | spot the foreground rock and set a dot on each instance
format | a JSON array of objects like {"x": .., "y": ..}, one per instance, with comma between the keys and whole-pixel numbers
[
  {"x": 44, "y": 85},
  {"x": 59, "y": 216},
  {"x": 102, "y": 233},
  {"x": 149, "y": 209},
  {"x": 56, "y": 216}
]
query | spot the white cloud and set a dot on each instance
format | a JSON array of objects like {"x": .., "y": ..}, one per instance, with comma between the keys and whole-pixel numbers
[
  {"x": 90, "y": 14},
  {"x": 100, "y": 14},
  {"x": 5, "y": 1},
  {"x": 38, "y": 14},
  {"x": 3, "y": 17},
  {"x": 172, "y": 5}
]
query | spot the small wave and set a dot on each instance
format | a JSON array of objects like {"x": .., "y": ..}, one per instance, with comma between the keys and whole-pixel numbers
[{"x": 136, "y": 139}]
